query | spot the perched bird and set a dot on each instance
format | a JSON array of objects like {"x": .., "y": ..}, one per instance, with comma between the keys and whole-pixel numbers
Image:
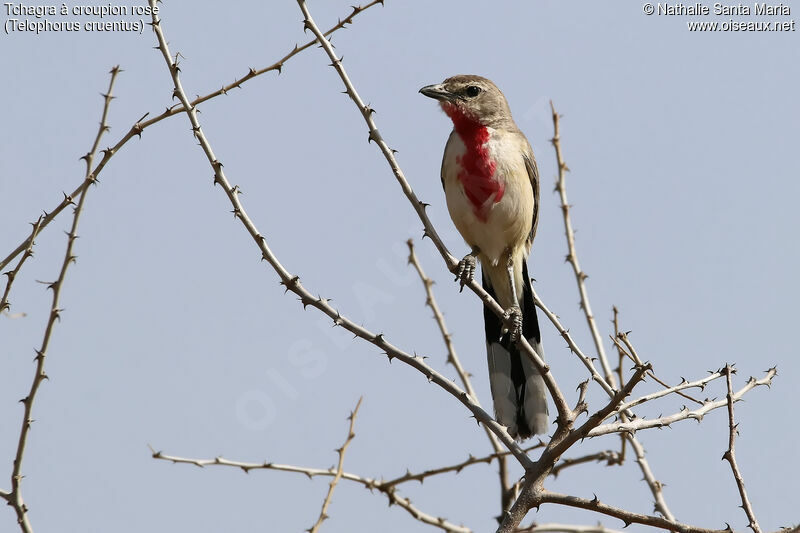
[{"x": 491, "y": 184}]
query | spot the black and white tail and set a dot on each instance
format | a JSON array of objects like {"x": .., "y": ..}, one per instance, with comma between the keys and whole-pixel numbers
[{"x": 518, "y": 390}]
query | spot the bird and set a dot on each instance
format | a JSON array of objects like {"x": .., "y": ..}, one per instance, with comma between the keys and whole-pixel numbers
[{"x": 491, "y": 185}]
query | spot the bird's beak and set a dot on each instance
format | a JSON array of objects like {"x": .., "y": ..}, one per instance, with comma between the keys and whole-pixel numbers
[{"x": 437, "y": 92}]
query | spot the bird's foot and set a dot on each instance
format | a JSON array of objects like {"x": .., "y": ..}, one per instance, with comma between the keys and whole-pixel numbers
[
  {"x": 466, "y": 270},
  {"x": 514, "y": 314}
]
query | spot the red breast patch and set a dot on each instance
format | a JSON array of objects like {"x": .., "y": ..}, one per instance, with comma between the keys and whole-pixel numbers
[{"x": 477, "y": 167}]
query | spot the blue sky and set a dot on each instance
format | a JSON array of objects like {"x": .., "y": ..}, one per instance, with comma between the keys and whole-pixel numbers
[{"x": 682, "y": 150}]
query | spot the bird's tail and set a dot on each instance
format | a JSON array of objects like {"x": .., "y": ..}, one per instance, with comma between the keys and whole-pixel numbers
[{"x": 518, "y": 390}]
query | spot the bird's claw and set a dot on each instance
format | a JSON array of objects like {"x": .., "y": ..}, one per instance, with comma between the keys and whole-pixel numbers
[
  {"x": 515, "y": 315},
  {"x": 466, "y": 270}
]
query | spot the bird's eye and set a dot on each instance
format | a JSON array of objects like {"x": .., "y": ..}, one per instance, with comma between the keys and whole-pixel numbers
[{"x": 473, "y": 91}]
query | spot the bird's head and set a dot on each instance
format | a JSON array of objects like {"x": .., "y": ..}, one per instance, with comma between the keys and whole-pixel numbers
[{"x": 472, "y": 98}]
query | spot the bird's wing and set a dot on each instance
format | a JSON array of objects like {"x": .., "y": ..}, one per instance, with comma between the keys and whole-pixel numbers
[
  {"x": 533, "y": 175},
  {"x": 449, "y": 140}
]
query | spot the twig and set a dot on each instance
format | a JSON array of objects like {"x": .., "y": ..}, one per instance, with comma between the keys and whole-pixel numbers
[
  {"x": 323, "y": 514},
  {"x": 557, "y": 448},
  {"x": 580, "y": 277},
  {"x": 368, "y": 483},
  {"x": 623, "y": 351},
  {"x": 697, "y": 414},
  {"x": 452, "y": 358},
  {"x": 140, "y": 125},
  {"x": 628, "y": 517},
  {"x": 730, "y": 454},
  {"x": 610, "y": 457},
  {"x": 292, "y": 282},
  {"x": 374, "y": 135},
  {"x": 15, "y": 496},
  {"x": 655, "y": 486},
  {"x": 573, "y": 346},
  {"x": 620, "y": 352},
  {"x": 700, "y": 383},
  {"x": 12, "y": 274},
  {"x": 531, "y": 490},
  {"x": 430, "y": 301},
  {"x": 458, "y": 467},
  {"x": 566, "y": 528},
  {"x": 572, "y": 255},
  {"x": 621, "y": 377}
]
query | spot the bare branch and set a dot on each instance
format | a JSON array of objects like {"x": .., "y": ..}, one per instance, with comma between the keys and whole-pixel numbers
[
  {"x": 323, "y": 514},
  {"x": 572, "y": 255},
  {"x": 452, "y": 358},
  {"x": 620, "y": 376},
  {"x": 630, "y": 352},
  {"x": 140, "y": 125},
  {"x": 430, "y": 301},
  {"x": 580, "y": 277},
  {"x": 700, "y": 383},
  {"x": 374, "y": 135},
  {"x": 530, "y": 493},
  {"x": 683, "y": 414},
  {"x": 15, "y": 496},
  {"x": 628, "y": 517},
  {"x": 12, "y": 274},
  {"x": 458, "y": 467},
  {"x": 292, "y": 283},
  {"x": 556, "y": 448},
  {"x": 371, "y": 484},
  {"x": 610, "y": 457},
  {"x": 656, "y": 487},
  {"x": 573, "y": 346},
  {"x": 566, "y": 528},
  {"x": 730, "y": 454}
]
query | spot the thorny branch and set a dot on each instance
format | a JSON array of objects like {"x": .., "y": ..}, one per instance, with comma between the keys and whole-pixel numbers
[
  {"x": 565, "y": 528},
  {"x": 610, "y": 457},
  {"x": 14, "y": 497},
  {"x": 580, "y": 277},
  {"x": 141, "y": 124},
  {"x": 452, "y": 358},
  {"x": 534, "y": 473},
  {"x": 565, "y": 436},
  {"x": 389, "y": 490},
  {"x": 572, "y": 254},
  {"x": 620, "y": 375},
  {"x": 430, "y": 301},
  {"x": 374, "y": 135},
  {"x": 12, "y": 274},
  {"x": 549, "y": 464},
  {"x": 630, "y": 352},
  {"x": 292, "y": 282},
  {"x": 684, "y": 414},
  {"x": 323, "y": 514},
  {"x": 458, "y": 467},
  {"x": 700, "y": 383},
  {"x": 730, "y": 454},
  {"x": 628, "y": 517}
]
